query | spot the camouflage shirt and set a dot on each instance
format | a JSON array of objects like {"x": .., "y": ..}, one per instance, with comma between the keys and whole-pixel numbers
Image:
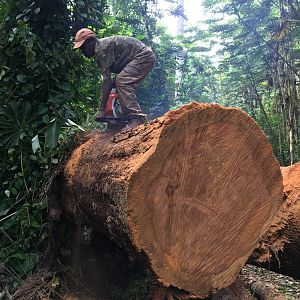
[{"x": 115, "y": 52}]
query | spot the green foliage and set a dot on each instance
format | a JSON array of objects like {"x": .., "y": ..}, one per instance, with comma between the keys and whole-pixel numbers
[
  {"x": 257, "y": 71},
  {"x": 138, "y": 16},
  {"x": 42, "y": 88}
]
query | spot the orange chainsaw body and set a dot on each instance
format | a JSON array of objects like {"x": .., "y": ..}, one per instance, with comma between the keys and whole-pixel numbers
[
  {"x": 111, "y": 103},
  {"x": 113, "y": 114}
]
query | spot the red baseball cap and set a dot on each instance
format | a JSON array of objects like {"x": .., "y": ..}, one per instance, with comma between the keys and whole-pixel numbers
[{"x": 81, "y": 36}]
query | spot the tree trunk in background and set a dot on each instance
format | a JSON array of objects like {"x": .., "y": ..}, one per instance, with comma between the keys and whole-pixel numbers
[
  {"x": 286, "y": 78},
  {"x": 279, "y": 249},
  {"x": 180, "y": 19},
  {"x": 179, "y": 59},
  {"x": 191, "y": 193}
]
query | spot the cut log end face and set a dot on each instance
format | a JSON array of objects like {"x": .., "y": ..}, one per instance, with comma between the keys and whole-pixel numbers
[{"x": 199, "y": 204}]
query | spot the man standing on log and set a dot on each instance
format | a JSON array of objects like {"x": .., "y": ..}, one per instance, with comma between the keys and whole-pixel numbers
[{"x": 125, "y": 56}]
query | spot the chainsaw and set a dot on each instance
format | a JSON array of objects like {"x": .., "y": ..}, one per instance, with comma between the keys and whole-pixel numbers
[
  {"x": 113, "y": 114},
  {"x": 113, "y": 110}
]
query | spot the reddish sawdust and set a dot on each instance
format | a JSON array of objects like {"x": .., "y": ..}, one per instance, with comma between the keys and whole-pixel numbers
[
  {"x": 274, "y": 240},
  {"x": 77, "y": 154}
]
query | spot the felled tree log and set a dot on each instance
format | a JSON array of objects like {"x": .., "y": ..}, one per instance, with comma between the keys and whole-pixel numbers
[
  {"x": 192, "y": 193},
  {"x": 279, "y": 249},
  {"x": 264, "y": 291}
]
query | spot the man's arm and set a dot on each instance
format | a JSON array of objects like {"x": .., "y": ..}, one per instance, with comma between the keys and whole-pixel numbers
[{"x": 106, "y": 88}]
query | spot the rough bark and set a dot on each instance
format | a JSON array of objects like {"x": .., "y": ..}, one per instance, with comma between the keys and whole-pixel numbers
[
  {"x": 265, "y": 291},
  {"x": 191, "y": 192},
  {"x": 279, "y": 249}
]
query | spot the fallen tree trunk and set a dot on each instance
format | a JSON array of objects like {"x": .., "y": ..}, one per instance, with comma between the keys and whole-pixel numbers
[
  {"x": 270, "y": 283},
  {"x": 279, "y": 248},
  {"x": 191, "y": 192},
  {"x": 263, "y": 290}
]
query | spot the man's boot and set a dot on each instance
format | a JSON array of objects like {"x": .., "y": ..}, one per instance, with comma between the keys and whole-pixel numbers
[{"x": 136, "y": 120}]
